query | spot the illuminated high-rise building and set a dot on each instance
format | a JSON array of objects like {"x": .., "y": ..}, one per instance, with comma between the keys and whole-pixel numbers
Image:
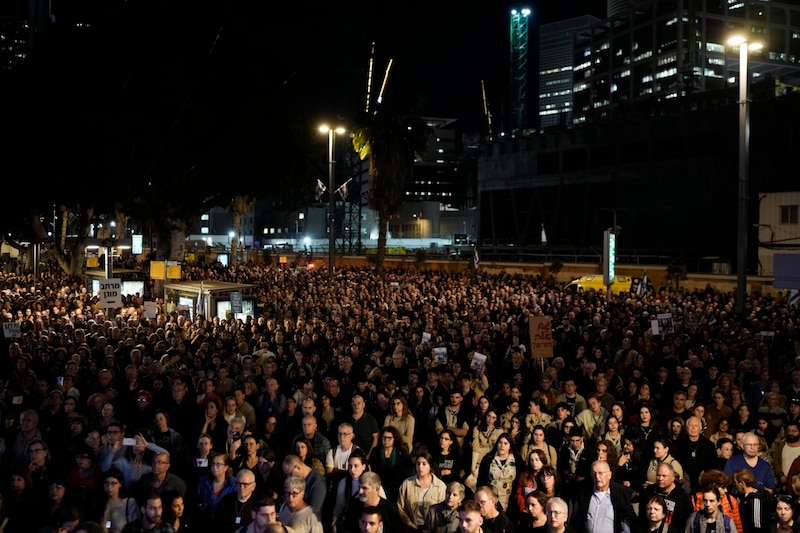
[
  {"x": 556, "y": 55},
  {"x": 653, "y": 51}
]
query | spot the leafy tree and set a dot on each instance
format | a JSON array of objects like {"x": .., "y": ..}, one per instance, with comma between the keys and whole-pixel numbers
[{"x": 392, "y": 142}]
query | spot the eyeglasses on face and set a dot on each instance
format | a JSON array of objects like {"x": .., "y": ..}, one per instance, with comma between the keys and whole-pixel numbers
[{"x": 244, "y": 483}]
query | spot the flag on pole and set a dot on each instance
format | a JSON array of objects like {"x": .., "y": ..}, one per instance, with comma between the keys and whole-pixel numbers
[
  {"x": 476, "y": 259},
  {"x": 201, "y": 302},
  {"x": 343, "y": 189},
  {"x": 320, "y": 189},
  {"x": 794, "y": 299},
  {"x": 641, "y": 290}
]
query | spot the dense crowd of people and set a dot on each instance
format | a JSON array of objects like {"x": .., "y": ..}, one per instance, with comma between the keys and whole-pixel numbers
[{"x": 404, "y": 402}]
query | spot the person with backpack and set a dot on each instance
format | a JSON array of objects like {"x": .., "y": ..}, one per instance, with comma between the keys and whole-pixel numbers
[{"x": 710, "y": 517}]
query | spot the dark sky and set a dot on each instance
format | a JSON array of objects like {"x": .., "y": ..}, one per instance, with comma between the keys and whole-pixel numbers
[{"x": 442, "y": 50}]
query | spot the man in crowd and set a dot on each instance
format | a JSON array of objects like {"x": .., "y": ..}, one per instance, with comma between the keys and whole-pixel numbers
[
  {"x": 750, "y": 460},
  {"x": 371, "y": 521},
  {"x": 493, "y": 518},
  {"x": 470, "y": 519},
  {"x": 605, "y": 506},
  {"x": 369, "y": 496},
  {"x": 264, "y": 515},
  {"x": 678, "y": 503},
  {"x": 160, "y": 479},
  {"x": 236, "y": 509},
  {"x": 321, "y": 444},
  {"x": 592, "y": 419},
  {"x": 365, "y": 427},
  {"x": 454, "y": 417},
  {"x": 694, "y": 452},
  {"x": 150, "y": 520},
  {"x": 336, "y": 458},
  {"x": 557, "y": 512}
]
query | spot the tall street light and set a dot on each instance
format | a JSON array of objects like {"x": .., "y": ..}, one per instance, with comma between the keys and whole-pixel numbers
[
  {"x": 744, "y": 155},
  {"x": 331, "y": 188}
]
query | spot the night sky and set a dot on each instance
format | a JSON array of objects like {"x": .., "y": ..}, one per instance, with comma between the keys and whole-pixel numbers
[{"x": 441, "y": 51}]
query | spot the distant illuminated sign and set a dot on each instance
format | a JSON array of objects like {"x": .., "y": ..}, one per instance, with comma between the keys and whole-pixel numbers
[
  {"x": 136, "y": 244},
  {"x": 609, "y": 257}
]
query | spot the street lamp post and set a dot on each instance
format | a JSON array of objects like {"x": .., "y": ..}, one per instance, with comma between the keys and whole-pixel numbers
[
  {"x": 744, "y": 155},
  {"x": 331, "y": 187}
]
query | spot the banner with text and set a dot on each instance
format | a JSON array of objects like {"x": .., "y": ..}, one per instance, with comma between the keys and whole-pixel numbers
[
  {"x": 110, "y": 293},
  {"x": 541, "y": 337}
]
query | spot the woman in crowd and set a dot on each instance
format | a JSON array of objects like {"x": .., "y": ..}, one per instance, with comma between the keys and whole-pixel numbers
[
  {"x": 725, "y": 450},
  {"x": 533, "y": 518},
  {"x": 551, "y": 481},
  {"x": 229, "y": 408},
  {"x": 19, "y": 501},
  {"x": 631, "y": 470},
  {"x": 448, "y": 459},
  {"x": 722, "y": 428},
  {"x": 304, "y": 449},
  {"x": 269, "y": 475},
  {"x": 661, "y": 454},
  {"x": 166, "y": 437},
  {"x": 537, "y": 442},
  {"x": 645, "y": 431},
  {"x": 174, "y": 512},
  {"x": 212, "y": 487},
  {"x": 484, "y": 437},
  {"x": 620, "y": 411},
  {"x": 214, "y": 423},
  {"x": 114, "y": 508},
  {"x": 501, "y": 468},
  {"x": 529, "y": 480},
  {"x": 387, "y": 458},
  {"x": 631, "y": 397},
  {"x": 612, "y": 432},
  {"x": 247, "y": 454},
  {"x": 481, "y": 408},
  {"x": 655, "y": 514},
  {"x": 71, "y": 407},
  {"x": 442, "y": 517},
  {"x": 605, "y": 451},
  {"x": 400, "y": 417},
  {"x": 40, "y": 467},
  {"x": 728, "y": 503},
  {"x": 735, "y": 398},
  {"x": 743, "y": 419},
  {"x": 347, "y": 488},
  {"x": 419, "y": 492},
  {"x": 785, "y": 514},
  {"x": 675, "y": 430},
  {"x": 328, "y": 416},
  {"x": 421, "y": 406},
  {"x": 519, "y": 433}
]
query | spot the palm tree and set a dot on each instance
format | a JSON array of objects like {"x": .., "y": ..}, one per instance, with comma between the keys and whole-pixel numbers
[{"x": 392, "y": 143}]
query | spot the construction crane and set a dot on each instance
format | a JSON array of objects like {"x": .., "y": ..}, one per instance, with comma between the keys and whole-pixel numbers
[
  {"x": 519, "y": 70},
  {"x": 486, "y": 111}
]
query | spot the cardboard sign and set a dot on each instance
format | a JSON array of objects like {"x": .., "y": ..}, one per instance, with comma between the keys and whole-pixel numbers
[{"x": 541, "y": 330}]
